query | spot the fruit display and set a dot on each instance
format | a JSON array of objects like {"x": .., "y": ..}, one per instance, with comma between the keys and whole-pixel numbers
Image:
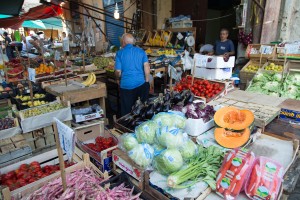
[
  {"x": 102, "y": 62},
  {"x": 233, "y": 173},
  {"x": 274, "y": 67},
  {"x": 200, "y": 88},
  {"x": 44, "y": 69},
  {"x": 91, "y": 79},
  {"x": 265, "y": 179},
  {"x": 34, "y": 103},
  {"x": 41, "y": 110},
  {"x": 6, "y": 123},
  {"x": 27, "y": 97},
  {"x": 100, "y": 144},
  {"x": 28, "y": 173},
  {"x": 15, "y": 71},
  {"x": 110, "y": 69},
  {"x": 6, "y": 89},
  {"x": 167, "y": 52},
  {"x": 251, "y": 68},
  {"x": 233, "y": 126}
]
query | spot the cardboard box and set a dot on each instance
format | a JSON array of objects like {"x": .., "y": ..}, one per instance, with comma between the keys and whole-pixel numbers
[
  {"x": 290, "y": 111},
  {"x": 213, "y": 73},
  {"x": 88, "y": 134},
  {"x": 123, "y": 162},
  {"x": 182, "y": 24},
  {"x": 82, "y": 118},
  {"x": 220, "y": 62}
]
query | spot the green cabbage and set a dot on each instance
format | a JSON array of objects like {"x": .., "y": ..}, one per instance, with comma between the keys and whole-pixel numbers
[
  {"x": 171, "y": 137},
  {"x": 157, "y": 149},
  {"x": 168, "y": 161},
  {"x": 272, "y": 86},
  {"x": 260, "y": 77},
  {"x": 128, "y": 141},
  {"x": 145, "y": 132},
  {"x": 169, "y": 119},
  {"x": 188, "y": 150},
  {"x": 142, "y": 154}
]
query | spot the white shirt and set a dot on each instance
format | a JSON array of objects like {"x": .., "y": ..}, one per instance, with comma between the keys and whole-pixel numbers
[
  {"x": 27, "y": 46},
  {"x": 66, "y": 44}
]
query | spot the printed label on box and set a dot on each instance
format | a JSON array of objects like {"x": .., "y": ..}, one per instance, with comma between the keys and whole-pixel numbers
[
  {"x": 287, "y": 114},
  {"x": 134, "y": 172}
]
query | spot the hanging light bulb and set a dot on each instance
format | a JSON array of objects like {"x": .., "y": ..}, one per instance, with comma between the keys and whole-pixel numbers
[{"x": 116, "y": 12}]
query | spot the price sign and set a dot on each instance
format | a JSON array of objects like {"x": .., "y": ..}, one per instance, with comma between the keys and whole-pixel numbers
[
  {"x": 266, "y": 49},
  {"x": 179, "y": 36},
  {"x": 292, "y": 48},
  {"x": 31, "y": 74},
  {"x": 66, "y": 137},
  {"x": 200, "y": 60}
]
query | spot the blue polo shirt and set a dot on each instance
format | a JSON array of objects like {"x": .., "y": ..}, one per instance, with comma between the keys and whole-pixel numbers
[
  {"x": 130, "y": 60},
  {"x": 224, "y": 47}
]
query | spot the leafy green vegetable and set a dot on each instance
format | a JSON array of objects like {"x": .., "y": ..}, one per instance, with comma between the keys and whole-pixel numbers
[
  {"x": 145, "y": 132},
  {"x": 170, "y": 137},
  {"x": 272, "y": 86},
  {"x": 169, "y": 161},
  {"x": 142, "y": 154},
  {"x": 128, "y": 141},
  {"x": 188, "y": 149},
  {"x": 169, "y": 119},
  {"x": 204, "y": 166}
]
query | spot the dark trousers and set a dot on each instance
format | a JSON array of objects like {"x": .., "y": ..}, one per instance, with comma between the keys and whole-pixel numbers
[
  {"x": 9, "y": 52},
  {"x": 129, "y": 97}
]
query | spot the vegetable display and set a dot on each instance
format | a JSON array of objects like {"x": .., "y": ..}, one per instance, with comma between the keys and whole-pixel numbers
[
  {"x": 274, "y": 67},
  {"x": 168, "y": 161},
  {"x": 6, "y": 123},
  {"x": 81, "y": 184},
  {"x": 233, "y": 173},
  {"x": 268, "y": 83},
  {"x": 145, "y": 132},
  {"x": 201, "y": 88},
  {"x": 128, "y": 141},
  {"x": 188, "y": 149},
  {"x": 142, "y": 154},
  {"x": 203, "y": 166},
  {"x": 291, "y": 86},
  {"x": 101, "y": 143},
  {"x": 265, "y": 179},
  {"x": 170, "y": 137},
  {"x": 196, "y": 111},
  {"x": 28, "y": 173},
  {"x": 233, "y": 130},
  {"x": 169, "y": 119},
  {"x": 41, "y": 110}
]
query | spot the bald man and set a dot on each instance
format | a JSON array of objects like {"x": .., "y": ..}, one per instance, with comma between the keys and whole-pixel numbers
[{"x": 133, "y": 69}]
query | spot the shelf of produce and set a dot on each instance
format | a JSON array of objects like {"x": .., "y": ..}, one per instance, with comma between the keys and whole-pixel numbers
[
  {"x": 122, "y": 162},
  {"x": 11, "y": 126},
  {"x": 247, "y": 76},
  {"x": 52, "y": 155},
  {"x": 76, "y": 94}
]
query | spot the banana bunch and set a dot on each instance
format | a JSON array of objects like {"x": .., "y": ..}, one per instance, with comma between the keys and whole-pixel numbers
[{"x": 91, "y": 79}]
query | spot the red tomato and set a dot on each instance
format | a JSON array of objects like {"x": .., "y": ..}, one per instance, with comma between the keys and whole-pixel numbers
[
  {"x": 189, "y": 78},
  {"x": 21, "y": 182},
  {"x": 24, "y": 166},
  {"x": 10, "y": 175}
]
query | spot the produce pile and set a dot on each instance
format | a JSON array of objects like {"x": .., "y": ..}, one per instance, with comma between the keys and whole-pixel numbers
[
  {"x": 41, "y": 110},
  {"x": 200, "y": 88},
  {"x": 266, "y": 83},
  {"x": 28, "y": 173},
  {"x": 251, "y": 68},
  {"x": 82, "y": 184},
  {"x": 142, "y": 112},
  {"x": 274, "y": 67},
  {"x": 102, "y": 62},
  {"x": 44, "y": 69},
  {"x": 274, "y": 84},
  {"x": 100, "y": 144},
  {"x": 162, "y": 143},
  {"x": 6, "y": 123}
]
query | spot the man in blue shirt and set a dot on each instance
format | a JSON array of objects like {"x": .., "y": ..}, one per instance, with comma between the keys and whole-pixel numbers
[
  {"x": 224, "y": 46},
  {"x": 133, "y": 68}
]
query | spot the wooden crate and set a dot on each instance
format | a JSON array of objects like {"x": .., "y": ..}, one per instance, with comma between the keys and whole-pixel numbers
[
  {"x": 158, "y": 195},
  {"x": 13, "y": 148},
  {"x": 28, "y": 189},
  {"x": 42, "y": 138},
  {"x": 245, "y": 76},
  {"x": 258, "y": 55},
  {"x": 293, "y": 66},
  {"x": 276, "y": 62},
  {"x": 122, "y": 162}
]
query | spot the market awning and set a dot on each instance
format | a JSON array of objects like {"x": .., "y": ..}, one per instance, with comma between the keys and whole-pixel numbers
[
  {"x": 36, "y": 13},
  {"x": 53, "y": 22},
  {"x": 34, "y": 24},
  {"x": 11, "y": 7}
]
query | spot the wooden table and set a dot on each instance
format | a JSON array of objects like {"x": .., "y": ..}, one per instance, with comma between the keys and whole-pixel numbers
[{"x": 75, "y": 94}]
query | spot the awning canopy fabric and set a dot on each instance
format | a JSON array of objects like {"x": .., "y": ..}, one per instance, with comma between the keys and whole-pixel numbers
[
  {"x": 11, "y": 7},
  {"x": 53, "y": 22},
  {"x": 36, "y": 13}
]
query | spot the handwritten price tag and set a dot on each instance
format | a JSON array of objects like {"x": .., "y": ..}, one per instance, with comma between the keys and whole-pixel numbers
[
  {"x": 266, "y": 49},
  {"x": 179, "y": 36},
  {"x": 66, "y": 137},
  {"x": 200, "y": 60},
  {"x": 31, "y": 74}
]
